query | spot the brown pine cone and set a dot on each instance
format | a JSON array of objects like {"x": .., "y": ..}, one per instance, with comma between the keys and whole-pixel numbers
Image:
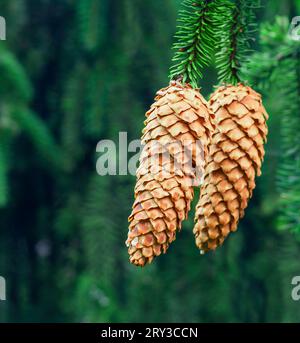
[
  {"x": 177, "y": 133},
  {"x": 235, "y": 158}
]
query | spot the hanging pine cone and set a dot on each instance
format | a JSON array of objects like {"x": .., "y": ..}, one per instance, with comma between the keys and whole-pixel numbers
[
  {"x": 235, "y": 157},
  {"x": 171, "y": 163}
]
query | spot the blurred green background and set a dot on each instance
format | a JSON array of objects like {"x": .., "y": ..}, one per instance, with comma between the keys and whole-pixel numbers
[{"x": 73, "y": 73}]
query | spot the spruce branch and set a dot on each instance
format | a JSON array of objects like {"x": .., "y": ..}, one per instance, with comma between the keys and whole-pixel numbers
[
  {"x": 234, "y": 29},
  {"x": 195, "y": 40},
  {"x": 261, "y": 69},
  {"x": 41, "y": 138},
  {"x": 288, "y": 174},
  {"x": 276, "y": 69}
]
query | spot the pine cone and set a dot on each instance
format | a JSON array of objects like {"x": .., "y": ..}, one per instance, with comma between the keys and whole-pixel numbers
[
  {"x": 235, "y": 157},
  {"x": 176, "y": 136}
]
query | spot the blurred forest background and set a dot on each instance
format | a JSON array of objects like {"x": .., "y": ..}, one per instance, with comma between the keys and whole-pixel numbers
[{"x": 75, "y": 72}]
